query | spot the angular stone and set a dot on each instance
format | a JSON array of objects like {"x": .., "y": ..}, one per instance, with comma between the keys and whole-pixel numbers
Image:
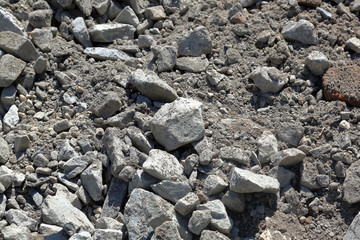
[
  {"x": 4, "y": 150},
  {"x": 139, "y": 140},
  {"x": 301, "y": 31},
  {"x": 288, "y": 157},
  {"x": 172, "y": 191},
  {"x": 352, "y": 184},
  {"x": 151, "y": 86},
  {"x": 109, "y": 32},
  {"x": 63, "y": 191},
  {"x": 114, "y": 199},
  {"x": 20, "y": 218},
  {"x": 40, "y": 65},
  {"x": 113, "y": 10},
  {"x": 214, "y": 184},
  {"x": 6, "y": 178},
  {"x": 40, "y": 18},
  {"x": 212, "y": 235},
  {"x": 108, "y": 223},
  {"x": 8, "y": 22},
  {"x": 353, "y": 44},
  {"x": 317, "y": 62},
  {"x": 267, "y": 146},
  {"x": 14, "y": 232},
  {"x": 192, "y": 64},
  {"x": 214, "y": 77},
  {"x": 42, "y": 38},
  {"x": 102, "y": 53},
  {"x": 18, "y": 46},
  {"x": 166, "y": 58},
  {"x": 163, "y": 165},
  {"x": 353, "y": 231},
  {"x": 10, "y": 69},
  {"x": 219, "y": 217},
  {"x": 199, "y": 221},
  {"x": 64, "y": 3},
  {"x": 62, "y": 125},
  {"x": 310, "y": 3},
  {"x": 11, "y": 118},
  {"x": 234, "y": 154},
  {"x": 91, "y": 179},
  {"x": 22, "y": 142},
  {"x": 283, "y": 175},
  {"x": 127, "y": 16},
  {"x": 195, "y": 43},
  {"x": 178, "y": 123},
  {"x": 144, "y": 211},
  {"x": 142, "y": 180},
  {"x": 79, "y": 29},
  {"x": 167, "y": 231},
  {"x": 110, "y": 234},
  {"x": 106, "y": 104},
  {"x": 138, "y": 6},
  {"x": 53, "y": 231},
  {"x": 122, "y": 119},
  {"x": 318, "y": 151},
  {"x": 244, "y": 181},
  {"x": 84, "y": 6},
  {"x": 290, "y": 133},
  {"x": 83, "y": 235},
  {"x": 59, "y": 211},
  {"x": 234, "y": 201},
  {"x": 268, "y": 79},
  {"x": 309, "y": 173},
  {"x": 187, "y": 204},
  {"x": 155, "y": 13}
]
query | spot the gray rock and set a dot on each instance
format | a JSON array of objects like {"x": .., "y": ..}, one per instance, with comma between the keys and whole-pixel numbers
[
  {"x": 66, "y": 151},
  {"x": 79, "y": 29},
  {"x": 85, "y": 6},
  {"x": 64, "y": 3},
  {"x": 214, "y": 184},
  {"x": 138, "y": 6},
  {"x": 199, "y": 221},
  {"x": 247, "y": 3},
  {"x": 8, "y": 95},
  {"x": 344, "y": 157},
  {"x": 122, "y": 119},
  {"x": 325, "y": 14},
  {"x": 318, "y": 151},
  {"x": 62, "y": 126},
  {"x": 14, "y": 232},
  {"x": 151, "y": 86},
  {"x": 115, "y": 198},
  {"x": 128, "y": 16},
  {"x": 187, "y": 204},
  {"x": 109, "y": 32},
  {"x": 290, "y": 133},
  {"x": 268, "y": 79},
  {"x": 101, "y": 6},
  {"x": 172, "y": 191},
  {"x": 139, "y": 140},
  {"x": 244, "y": 181},
  {"x": 40, "y": 18},
  {"x": 192, "y": 64},
  {"x": 214, "y": 77},
  {"x": 2, "y": 205},
  {"x": 146, "y": 41},
  {"x": 42, "y": 38},
  {"x": 5, "y": 152},
  {"x": 113, "y": 10},
  {"x": 178, "y": 123},
  {"x": 195, "y": 43},
  {"x": 48, "y": 230},
  {"x": 167, "y": 231},
  {"x": 76, "y": 165},
  {"x": 40, "y": 65},
  {"x": 283, "y": 175},
  {"x": 40, "y": 160},
  {"x": 146, "y": 24},
  {"x": 155, "y": 13},
  {"x": 145, "y": 211},
  {"x": 354, "y": 6},
  {"x": 20, "y": 218},
  {"x": 111, "y": 234},
  {"x": 219, "y": 217},
  {"x": 323, "y": 180},
  {"x": 63, "y": 191},
  {"x": 11, "y": 118},
  {"x": 102, "y": 53},
  {"x": 162, "y": 165},
  {"x": 309, "y": 173},
  {"x": 83, "y": 235},
  {"x": 10, "y": 69},
  {"x": 18, "y": 46},
  {"x": 267, "y": 146},
  {"x": 142, "y": 180},
  {"x": 234, "y": 201},
  {"x": 206, "y": 156},
  {"x": 108, "y": 223},
  {"x": 234, "y": 154},
  {"x": 59, "y": 211},
  {"x": 106, "y": 104},
  {"x": 340, "y": 170},
  {"x": 6, "y": 178},
  {"x": 172, "y": 6},
  {"x": 91, "y": 179},
  {"x": 22, "y": 142},
  {"x": 317, "y": 62},
  {"x": 9, "y": 23},
  {"x": 166, "y": 59},
  {"x": 353, "y": 44},
  {"x": 212, "y": 235},
  {"x": 287, "y": 157},
  {"x": 353, "y": 232},
  {"x": 352, "y": 184},
  {"x": 301, "y": 31}
]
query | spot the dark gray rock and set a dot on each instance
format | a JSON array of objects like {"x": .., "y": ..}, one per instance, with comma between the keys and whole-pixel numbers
[
  {"x": 167, "y": 231},
  {"x": 106, "y": 104},
  {"x": 301, "y": 31},
  {"x": 199, "y": 221},
  {"x": 234, "y": 201},
  {"x": 40, "y": 18},
  {"x": 195, "y": 43},
  {"x": 109, "y": 32},
  {"x": 268, "y": 79},
  {"x": 91, "y": 179},
  {"x": 309, "y": 173},
  {"x": 172, "y": 191},
  {"x": 10, "y": 69},
  {"x": 353, "y": 232},
  {"x": 115, "y": 198},
  {"x": 166, "y": 59},
  {"x": 351, "y": 184},
  {"x": 283, "y": 175},
  {"x": 290, "y": 133}
]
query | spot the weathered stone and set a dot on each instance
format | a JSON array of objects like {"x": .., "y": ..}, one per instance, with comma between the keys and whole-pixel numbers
[
  {"x": 63, "y": 191},
  {"x": 167, "y": 231},
  {"x": 8, "y": 95},
  {"x": 139, "y": 140},
  {"x": 2, "y": 205},
  {"x": 214, "y": 184},
  {"x": 18, "y": 46},
  {"x": 114, "y": 199},
  {"x": 146, "y": 41},
  {"x": 244, "y": 181},
  {"x": 213, "y": 235},
  {"x": 64, "y": 3},
  {"x": 162, "y": 165},
  {"x": 267, "y": 146},
  {"x": 79, "y": 29},
  {"x": 42, "y": 38},
  {"x": 91, "y": 179},
  {"x": 22, "y": 142},
  {"x": 290, "y": 133},
  {"x": 353, "y": 44},
  {"x": 4, "y": 149},
  {"x": 109, "y": 32},
  {"x": 234, "y": 201},
  {"x": 101, "y": 6},
  {"x": 214, "y": 77},
  {"x": 59, "y": 211},
  {"x": 151, "y": 86},
  {"x": 219, "y": 217},
  {"x": 128, "y": 16},
  {"x": 40, "y": 18},
  {"x": 110, "y": 234},
  {"x": 122, "y": 119},
  {"x": 48, "y": 230},
  {"x": 138, "y": 6},
  {"x": 14, "y": 232},
  {"x": 353, "y": 231},
  {"x": 247, "y": 3},
  {"x": 40, "y": 65},
  {"x": 187, "y": 204},
  {"x": 234, "y": 154},
  {"x": 199, "y": 221},
  {"x": 102, "y": 53},
  {"x": 352, "y": 184},
  {"x": 20, "y": 218},
  {"x": 309, "y": 173},
  {"x": 268, "y": 79},
  {"x": 172, "y": 191},
  {"x": 142, "y": 180},
  {"x": 310, "y": 3},
  {"x": 192, "y": 64},
  {"x": 178, "y": 123},
  {"x": 108, "y": 223},
  {"x": 83, "y": 235},
  {"x": 106, "y": 104},
  {"x": 62, "y": 125},
  {"x": 166, "y": 59},
  {"x": 155, "y": 13},
  {"x": 84, "y": 6},
  {"x": 6, "y": 178},
  {"x": 288, "y": 157},
  {"x": 9, "y": 23},
  {"x": 10, "y": 69},
  {"x": 317, "y": 62},
  {"x": 195, "y": 43},
  {"x": 113, "y": 10},
  {"x": 318, "y": 151},
  {"x": 301, "y": 31},
  {"x": 283, "y": 175}
]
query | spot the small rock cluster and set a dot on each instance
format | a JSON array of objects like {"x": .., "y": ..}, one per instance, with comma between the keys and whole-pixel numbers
[{"x": 179, "y": 119}]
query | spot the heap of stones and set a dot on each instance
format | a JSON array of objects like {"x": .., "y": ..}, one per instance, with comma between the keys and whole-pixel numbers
[{"x": 91, "y": 154}]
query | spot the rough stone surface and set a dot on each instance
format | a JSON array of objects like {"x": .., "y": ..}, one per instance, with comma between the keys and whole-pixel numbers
[
  {"x": 195, "y": 43},
  {"x": 199, "y": 221},
  {"x": 4, "y": 149},
  {"x": 79, "y": 29},
  {"x": 354, "y": 231},
  {"x": 301, "y": 31},
  {"x": 187, "y": 204},
  {"x": 234, "y": 201},
  {"x": 171, "y": 191},
  {"x": 267, "y": 146},
  {"x": 234, "y": 154},
  {"x": 290, "y": 133},
  {"x": 128, "y": 16},
  {"x": 317, "y": 62},
  {"x": 192, "y": 64},
  {"x": 106, "y": 32},
  {"x": 14, "y": 232},
  {"x": 212, "y": 235},
  {"x": 287, "y": 157},
  {"x": 8, "y": 22},
  {"x": 353, "y": 44},
  {"x": 351, "y": 184},
  {"x": 268, "y": 79},
  {"x": 167, "y": 231},
  {"x": 166, "y": 58},
  {"x": 10, "y": 69}
]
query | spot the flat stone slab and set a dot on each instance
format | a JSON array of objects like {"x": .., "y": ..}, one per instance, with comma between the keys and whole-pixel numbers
[
  {"x": 10, "y": 69},
  {"x": 102, "y": 53},
  {"x": 342, "y": 83},
  {"x": 109, "y": 32}
]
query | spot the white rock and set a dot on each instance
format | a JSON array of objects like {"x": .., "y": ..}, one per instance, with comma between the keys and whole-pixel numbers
[
  {"x": 353, "y": 44},
  {"x": 102, "y": 53}
]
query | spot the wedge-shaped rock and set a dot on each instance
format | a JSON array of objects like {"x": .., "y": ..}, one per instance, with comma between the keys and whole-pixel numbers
[
  {"x": 109, "y": 32},
  {"x": 234, "y": 154},
  {"x": 301, "y": 31},
  {"x": 59, "y": 211},
  {"x": 353, "y": 231},
  {"x": 151, "y": 86},
  {"x": 219, "y": 217},
  {"x": 172, "y": 191},
  {"x": 128, "y": 16},
  {"x": 288, "y": 157},
  {"x": 167, "y": 231},
  {"x": 234, "y": 201},
  {"x": 20, "y": 218},
  {"x": 145, "y": 211},
  {"x": 267, "y": 146},
  {"x": 9, "y": 23},
  {"x": 10, "y": 69},
  {"x": 102, "y": 53},
  {"x": 163, "y": 165},
  {"x": 268, "y": 79},
  {"x": 18, "y": 46},
  {"x": 187, "y": 204},
  {"x": 352, "y": 184},
  {"x": 244, "y": 181},
  {"x": 199, "y": 221},
  {"x": 178, "y": 123},
  {"x": 91, "y": 179},
  {"x": 79, "y": 29}
]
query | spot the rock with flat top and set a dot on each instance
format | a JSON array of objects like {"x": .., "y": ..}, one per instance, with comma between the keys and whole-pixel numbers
[
  {"x": 10, "y": 69},
  {"x": 108, "y": 32},
  {"x": 8, "y": 22}
]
